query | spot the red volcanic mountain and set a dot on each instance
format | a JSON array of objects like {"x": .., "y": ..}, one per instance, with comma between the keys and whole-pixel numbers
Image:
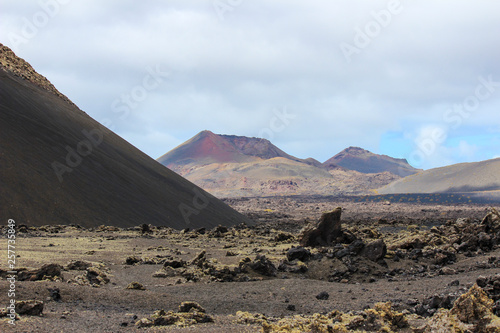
[
  {"x": 207, "y": 147},
  {"x": 364, "y": 161},
  {"x": 60, "y": 166}
]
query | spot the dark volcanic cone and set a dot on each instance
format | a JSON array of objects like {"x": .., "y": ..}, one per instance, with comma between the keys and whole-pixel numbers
[{"x": 102, "y": 178}]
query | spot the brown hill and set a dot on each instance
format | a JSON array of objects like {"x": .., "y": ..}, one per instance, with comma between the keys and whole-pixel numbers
[
  {"x": 238, "y": 166},
  {"x": 364, "y": 161},
  {"x": 59, "y": 166},
  {"x": 464, "y": 177}
]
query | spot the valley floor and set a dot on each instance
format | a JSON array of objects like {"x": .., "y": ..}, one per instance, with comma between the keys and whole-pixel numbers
[{"x": 246, "y": 269}]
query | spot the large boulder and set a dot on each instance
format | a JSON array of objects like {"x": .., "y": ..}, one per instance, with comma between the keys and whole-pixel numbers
[{"x": 327, "y": 231}]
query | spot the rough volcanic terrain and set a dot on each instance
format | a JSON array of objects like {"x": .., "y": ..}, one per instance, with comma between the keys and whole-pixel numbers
[{"x": 309, "y": 264}]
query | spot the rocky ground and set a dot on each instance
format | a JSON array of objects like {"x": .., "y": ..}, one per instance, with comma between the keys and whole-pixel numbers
[{"x": 385, "y": 266}]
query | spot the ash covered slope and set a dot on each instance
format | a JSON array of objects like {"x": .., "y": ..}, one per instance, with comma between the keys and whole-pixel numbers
[
  {"x": 464, "y": 177},
  {"x": 361, "y": 160},
  {"x": 114, "y": 184}
]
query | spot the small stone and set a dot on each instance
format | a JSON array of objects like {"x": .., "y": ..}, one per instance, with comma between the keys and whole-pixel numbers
[
  {"x": 136, "y": 286},
  {"x": 290, "y": 307},
  {"x": 412, "y": 301},
  {"x": 482, "y": 281},
  {"x": 145, "y": 228},
  {"x": 448, "y": 271},
  {"x": 144, "y": 322},
  {"x": 55, "y": 294},
  {"x": 323, "y": 296}
]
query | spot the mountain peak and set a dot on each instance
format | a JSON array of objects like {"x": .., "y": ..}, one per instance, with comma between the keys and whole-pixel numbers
[
  {"x": 10, "y": 62},
  {"x": 205, "y": 133},
  {"x": 355, "y": 151},
  {"x": 207, "y": 147}
]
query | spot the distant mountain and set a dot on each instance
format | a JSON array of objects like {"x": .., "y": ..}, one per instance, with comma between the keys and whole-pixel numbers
[
  {"x": 364, "y": 161},
  {"x": 464, "y": 177},
  {"x": 207, "y": 147},
  {"x": 233, "y": 166},
  {"x": 60, "y": 166}
]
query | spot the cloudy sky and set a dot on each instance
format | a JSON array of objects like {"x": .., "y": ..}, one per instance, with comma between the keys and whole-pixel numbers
[{"x": 418, "y": 80}]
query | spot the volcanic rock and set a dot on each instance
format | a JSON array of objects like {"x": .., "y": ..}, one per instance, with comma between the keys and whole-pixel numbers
[
  {"x": 177, "y": 263},
  {"x": 136, "y": 286},
  {"x": 29, "y": 308},
  {"x": 78, "y": 265},
  {"x": 323, "y": 296},
  {"x": 298, "y": 253},
  {"x": 263, "y": 265},
  {"x": 190, "y": 307},
  {"x": 48, "y": 271},
  {"x": 93, "y": 276},
  {"x": 132, "y": 260},
  {"x": 473, "y": 305},
  {"x": 375, "y": 250},
  {"x": 55, "y": 294},
  {"x": 182, "y": 319},
  {"x": 327, "y": 231}
]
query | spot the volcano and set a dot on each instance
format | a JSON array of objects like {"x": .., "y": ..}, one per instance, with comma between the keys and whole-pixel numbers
[
  {"x": 207, "y": 147},
  {"x": 364, "y": 161},
  {"x": 60, "y": 166}
]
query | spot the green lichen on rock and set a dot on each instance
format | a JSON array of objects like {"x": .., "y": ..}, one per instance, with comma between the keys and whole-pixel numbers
[{"x": 190, "y": 313}]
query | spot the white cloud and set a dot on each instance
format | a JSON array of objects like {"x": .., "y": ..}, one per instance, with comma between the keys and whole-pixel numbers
[
  {"x": 467, "y": 151},
  {"x": 228, "y": 75}
]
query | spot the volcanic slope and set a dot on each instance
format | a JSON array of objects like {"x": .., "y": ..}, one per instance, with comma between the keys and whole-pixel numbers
[
  {"x": 476, "y": 177},
  {"x": 59, "y": 166},
  {"x": 236, "y": 166},
  {"x": 361, "y": 160}
]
